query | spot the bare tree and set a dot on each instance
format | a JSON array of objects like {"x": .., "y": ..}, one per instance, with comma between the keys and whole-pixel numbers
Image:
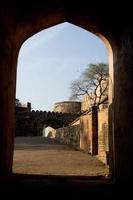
[{"x": 93, "y": 83}]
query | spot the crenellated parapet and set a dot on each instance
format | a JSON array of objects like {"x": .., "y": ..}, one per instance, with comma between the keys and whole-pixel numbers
[
  {"x": 32, "y": 122},
  {"x": 53, "y": 119}
]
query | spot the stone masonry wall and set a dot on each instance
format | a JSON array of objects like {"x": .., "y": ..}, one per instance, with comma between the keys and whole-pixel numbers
[
  {"x": 89, "y": 132},
  {"x": 67, "y": 107},
  {"x": 86, "y": 133},
  {"x": 25, "y": 125},
  {"x": 90, "y": 135},
  {"x": 89, "y": 142},
  {"x": 69, "y": 135},
  {"x": 28, "y": 127},
  {"x": 103, "y": 146}
]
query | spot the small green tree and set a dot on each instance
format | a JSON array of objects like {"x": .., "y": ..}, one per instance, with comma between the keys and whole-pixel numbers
[{"x": 93, "y": 82}]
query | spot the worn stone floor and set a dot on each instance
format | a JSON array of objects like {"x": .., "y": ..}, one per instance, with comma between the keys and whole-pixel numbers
[{"x": 39, "y": 155}]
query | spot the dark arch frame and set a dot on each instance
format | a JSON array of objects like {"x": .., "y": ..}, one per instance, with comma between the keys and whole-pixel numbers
[{"x": 17, "y": 26}]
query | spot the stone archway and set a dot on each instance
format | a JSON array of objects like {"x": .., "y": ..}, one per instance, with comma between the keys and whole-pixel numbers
[{"x": 17, "y": 26}]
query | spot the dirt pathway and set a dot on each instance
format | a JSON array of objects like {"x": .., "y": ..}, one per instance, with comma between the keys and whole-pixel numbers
[{"x": 39, "y": 155}]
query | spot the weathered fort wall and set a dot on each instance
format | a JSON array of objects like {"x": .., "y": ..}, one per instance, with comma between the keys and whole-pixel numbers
[
  {"x": 69, "y": 135},
  {"x": 67, "y": 107},
  {"x": 89, "y": 133},
  {"x": 26, "y": 126}
]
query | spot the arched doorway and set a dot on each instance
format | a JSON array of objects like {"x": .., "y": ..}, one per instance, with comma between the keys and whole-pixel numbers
[
  {"x": 11, "y": 42},
  {"x": 94, "y": 148}
]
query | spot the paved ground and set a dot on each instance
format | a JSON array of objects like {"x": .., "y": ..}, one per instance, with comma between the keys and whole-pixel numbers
[{"x": 39, "y": 155}]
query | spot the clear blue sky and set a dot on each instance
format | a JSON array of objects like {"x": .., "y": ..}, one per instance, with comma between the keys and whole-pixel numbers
[{"x": 51, "y": 59}]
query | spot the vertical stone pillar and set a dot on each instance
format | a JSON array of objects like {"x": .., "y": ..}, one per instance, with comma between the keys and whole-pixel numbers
[
  {"x": 94, "y": 130},
  {"x": 8, "y": 60}
]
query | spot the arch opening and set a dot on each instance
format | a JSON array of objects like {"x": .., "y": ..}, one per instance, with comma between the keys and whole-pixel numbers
[{"x": 110, "y": 78}]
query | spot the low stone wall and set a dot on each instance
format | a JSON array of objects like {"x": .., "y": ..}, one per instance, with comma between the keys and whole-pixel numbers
[
  {"x": 69, "y": 135},
  {"x": 90, "y": 135}
]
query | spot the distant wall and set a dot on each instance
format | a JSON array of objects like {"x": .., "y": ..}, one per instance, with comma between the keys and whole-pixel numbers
[
  {"x": 26, "y": 126},
  {"x": 85, "y": 104},
  {"x": 67, "y": 107}
]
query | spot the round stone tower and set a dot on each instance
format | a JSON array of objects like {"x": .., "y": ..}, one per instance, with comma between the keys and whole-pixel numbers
[{"x": 67, "y": 107}]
